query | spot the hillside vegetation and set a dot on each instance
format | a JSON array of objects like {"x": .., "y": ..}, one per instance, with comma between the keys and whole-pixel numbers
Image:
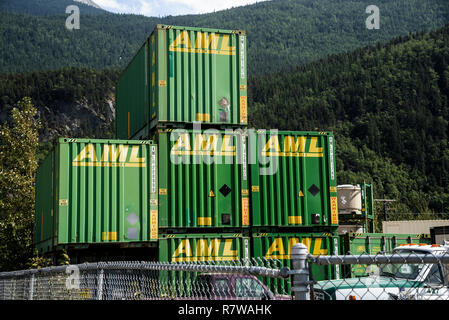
[
  {"x": 389, "y": 108},
  {"x": 281, "y": 34},
  {"x": 387, "y": 104}
]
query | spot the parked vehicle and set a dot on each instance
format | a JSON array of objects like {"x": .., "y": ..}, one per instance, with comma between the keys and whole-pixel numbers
[
  {"x": 373, "y": 243},
  {"x": 394, "y": 281},
  {"x": 216, "y": 286}
]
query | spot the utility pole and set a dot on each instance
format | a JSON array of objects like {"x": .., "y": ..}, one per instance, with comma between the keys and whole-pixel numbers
[{"x": 385, "y": 205}]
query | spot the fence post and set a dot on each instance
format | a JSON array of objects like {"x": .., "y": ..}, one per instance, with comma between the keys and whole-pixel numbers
[
  {"x": 100, "y": 284},
  {"x": 300, "y": 272},
  {"x": 31, "y": 292}
]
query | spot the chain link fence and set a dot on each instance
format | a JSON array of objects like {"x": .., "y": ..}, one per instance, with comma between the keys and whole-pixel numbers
[
  {"x": 245, "y": 279},
  {"x": 411, "y": 272}
]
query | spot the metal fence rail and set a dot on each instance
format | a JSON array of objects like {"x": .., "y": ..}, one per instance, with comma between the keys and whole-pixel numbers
[{"x": 149, "y": 280}]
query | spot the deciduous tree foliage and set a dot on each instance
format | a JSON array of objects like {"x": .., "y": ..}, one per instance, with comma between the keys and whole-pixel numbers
[{"x": 18, "y": 164}]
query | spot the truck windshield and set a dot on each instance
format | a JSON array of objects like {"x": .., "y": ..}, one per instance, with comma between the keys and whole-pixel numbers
[{"x": 402, "y": 271}]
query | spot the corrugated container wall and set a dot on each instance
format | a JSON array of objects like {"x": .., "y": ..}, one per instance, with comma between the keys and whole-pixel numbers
[
  {"x": 203, "y": 247},
  {"x": 181, "y": 75},
  {"x": 293, "y": 179},
  {"x": 96, "y": 191},
  {"x": 278, "y": 246},
  {"x": 203, "y": 180}
]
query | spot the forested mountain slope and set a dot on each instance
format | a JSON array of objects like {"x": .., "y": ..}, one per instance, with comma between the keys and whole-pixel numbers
[
  {"x": 47, "y": 7},
  {"x": 281, "y": 33},
  {"x": 388, "y": 106}
]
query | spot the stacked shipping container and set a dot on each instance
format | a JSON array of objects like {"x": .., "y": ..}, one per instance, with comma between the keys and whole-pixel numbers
[
  {"x": 215, "y": 196},
  {"x": 192, "y": 75},
  {"x": 96, "y": 191},
  {"x": 203, "y": 181},
  {"x": 293, "y": 180},
  {"x": 216, "y": 192},
  {"x": 202, "y": 187},
  {"x": 181, "y": 75},
  {"x": 216, "y": 183}
]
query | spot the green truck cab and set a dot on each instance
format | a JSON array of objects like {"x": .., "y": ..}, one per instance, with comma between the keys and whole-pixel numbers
[{"x": 394, "y": 281}]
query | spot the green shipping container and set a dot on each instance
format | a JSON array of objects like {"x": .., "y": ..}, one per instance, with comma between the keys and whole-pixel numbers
[
  {"x": 96, "y": 191},
  {"x": 203, "y": 247},
  {"x": 218, "y": 248},
  {"x": 293, "y": 179},
  {"x": 202, "y": 179},
  {"x": 279, "y": 246},
  {"x": 181, "y": 75},
  {"x": 373, "y": 243}
]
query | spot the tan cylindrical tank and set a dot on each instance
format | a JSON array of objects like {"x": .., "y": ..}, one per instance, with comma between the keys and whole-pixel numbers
[
  {"x": 351, "y": 228},
  {"x": 349, "y": 199}
]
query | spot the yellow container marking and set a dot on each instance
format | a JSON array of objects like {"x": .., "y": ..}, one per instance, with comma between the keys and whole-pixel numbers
[{"x": 204, "y": 221}]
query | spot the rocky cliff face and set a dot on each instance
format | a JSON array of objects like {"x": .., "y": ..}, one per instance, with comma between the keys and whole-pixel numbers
[
  {"x": 71, "y": 102},
  {"x": 78, "y": 118}
]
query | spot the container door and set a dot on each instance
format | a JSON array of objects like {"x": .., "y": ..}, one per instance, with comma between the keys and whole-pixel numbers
[
  {"x": 293, "y": 179},
  {"x": 201, "y": 76},
  {"x": 203, "y": 180},
  {"x": 43, "y": 227},
  {"x": 104, "y": 192}
]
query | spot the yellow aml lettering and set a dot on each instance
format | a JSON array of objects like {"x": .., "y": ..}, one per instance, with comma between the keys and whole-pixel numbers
[
  {"x": 203, "y": 249},
  {"x": 227, "y": 251},
  {"x": 182, "y": 39},
  {"x": 317, "y": 247},
  {"x": 206, "y": 41},
  {"x": 110, "y": 153},
  {"x": 276, "y": 247},
  {"x": 183, "y": 248},
  {"x": 183, "y": 142},
  {"x": 227, "y": 144},
  {"x": 290, "y": 145},
  {"x": 225, "y": 44},
  {"x": 88, "y": 152},
  {"x": 313, "y": 145},
  {"x": 134, "y": 153},
  {"x": 206, "y": 144},
  {"x": 272, "y": 144}
]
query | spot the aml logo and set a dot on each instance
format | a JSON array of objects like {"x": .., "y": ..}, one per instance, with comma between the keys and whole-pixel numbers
[
  {"x": 205, "y": 250},
  {"x": 203, "y": 43},
  {"x": 277, "y": 248},
  {"x": 292, "y": 147},
  {"x": 210, "y": 144},
  {"x": 111, "y": 156}
]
